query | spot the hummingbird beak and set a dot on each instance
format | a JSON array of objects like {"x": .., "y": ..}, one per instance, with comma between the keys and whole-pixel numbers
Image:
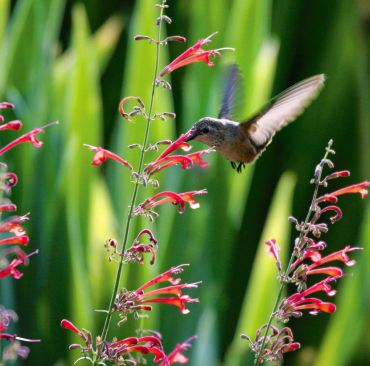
[{"x": 190, "y": 135}]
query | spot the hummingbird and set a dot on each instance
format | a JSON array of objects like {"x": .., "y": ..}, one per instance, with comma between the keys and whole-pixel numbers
[{"x": 242, "y": 143}]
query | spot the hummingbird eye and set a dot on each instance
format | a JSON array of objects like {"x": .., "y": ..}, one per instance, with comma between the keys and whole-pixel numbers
[{"x": 205, "y": 130}]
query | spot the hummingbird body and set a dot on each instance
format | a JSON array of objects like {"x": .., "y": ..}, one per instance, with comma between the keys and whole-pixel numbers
[
  {"x": 226, "y": 137},
  {"x": 243, "y": 143}
]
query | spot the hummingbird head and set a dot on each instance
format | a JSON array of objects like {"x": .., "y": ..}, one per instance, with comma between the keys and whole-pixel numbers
[{"x": 210, "y": 131}]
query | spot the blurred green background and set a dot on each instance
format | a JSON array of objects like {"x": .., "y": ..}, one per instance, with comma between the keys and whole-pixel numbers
[{"x": 73, "y": 61}]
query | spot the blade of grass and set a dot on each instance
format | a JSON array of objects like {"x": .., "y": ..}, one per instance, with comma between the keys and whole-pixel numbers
[
  {"x": 82, "y": 124},
  {"x": 4, "y": 15}
]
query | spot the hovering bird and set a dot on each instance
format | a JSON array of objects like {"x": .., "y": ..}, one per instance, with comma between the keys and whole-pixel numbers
[{"x": 244, "y": 142}]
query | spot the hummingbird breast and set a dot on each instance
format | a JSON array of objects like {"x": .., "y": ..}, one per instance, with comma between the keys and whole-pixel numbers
[{"x": 237, "y": 147}]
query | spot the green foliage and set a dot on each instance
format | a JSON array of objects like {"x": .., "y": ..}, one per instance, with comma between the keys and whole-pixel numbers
[{"x": 63, "y": 64}]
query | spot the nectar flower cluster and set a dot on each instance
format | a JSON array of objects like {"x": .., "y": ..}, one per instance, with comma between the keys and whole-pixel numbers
[
  {"x": 127, "y": 351},
  {"x": 13, "y": 237},
  {"x": 305, "y": 264},
  {"x": 141, "y": 299}
]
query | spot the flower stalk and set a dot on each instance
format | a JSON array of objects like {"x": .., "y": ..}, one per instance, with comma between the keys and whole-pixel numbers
[
  {"x": 124, "y": 302},
  {"x": 136, "y": 186},
  {"x": 297, "y": 272}
]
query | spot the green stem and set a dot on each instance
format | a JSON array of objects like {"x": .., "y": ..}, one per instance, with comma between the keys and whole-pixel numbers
[
  {"x": 292, "y": 257},
  {"x": 134, "y": 195}
]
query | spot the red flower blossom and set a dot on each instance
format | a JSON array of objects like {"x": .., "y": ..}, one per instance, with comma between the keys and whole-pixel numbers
[
  {"x": 355, "y": 188},
  {"x": 129, "y": 301},
  {"x": 137, "y": 249},
  {"x": 28, "y": 137},
  {"x": 66, "y": 324},
  {"x": 114, "y": 351},
  {"x": 11, "y": 268},
  {"x": 293, "y": 305},
  {"x": 340, "y": 255},
  {"x": 180, "y": 143},
  {"x": 145, "y": 345},
  {"x": 339, "y": 174},
  {"x": 20, "y": 240},
  {"x": 165, "y": 277},
  {"x": 186, "y": 161},
  {"x": 290, "y": 347},
  {"x": 168, "y": 196},
  {"x": 12, "y": 125},
  {"x": 301, "y": 273},
  {"x": 273, "y": 250},
  {"x": 194, "y": 54},
  {"x": 6, "y": 105},
  {"x": 9, "y": 179},
  {"x": 177, "y": 356},
  {"x": 7, "y": 206},
  {"x": 102, "y": 155},
  {"x": 12, "y": 225}
]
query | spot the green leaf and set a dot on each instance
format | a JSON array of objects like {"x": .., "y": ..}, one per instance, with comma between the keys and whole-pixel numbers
[
  {"x": 82, "y": 123},
  {"x": 4, "y": 14}
]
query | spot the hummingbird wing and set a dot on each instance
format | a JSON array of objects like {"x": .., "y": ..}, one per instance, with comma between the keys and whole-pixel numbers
[
  {"x": 281, "y": 110},
  {"x": 231, "y": 93}
]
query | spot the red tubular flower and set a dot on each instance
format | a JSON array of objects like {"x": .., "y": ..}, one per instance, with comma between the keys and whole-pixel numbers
[
  {"x": 317, "y": 287},
  {"x": 169, "y": 196},
  {"x": 149, "y": 233},
  {"x": 175, "y": 301},
  {"x": 273, "y": 250},
  {"x": 12, "y": 225},
  {"x": 293, "y": 305},
  {"x": 12, "y": 125},
  {"x": 129, "y": 301},
  {"x": 186, "y": 161},
  {"x": 338, "y": 213},
  {"x": 180, "y": 143},
  {"x": 102, "y": 155},
  {"x": 7, "y": 206},
  {"x": 10, "y": 180},
  {"x": 66, "y": 324},
  {"x": 20, "y": 240},
  {"x": 301, "y": 273},
  {"x": 340, "y": 255},
  {"x": 314, "y": 305},
  {"x": 194, "y": 54},
  {"x": 355, "y": 188},
  {"x": 135, "y": 252},
  {"x": 290, "y": 347},
  {"x": 6, "y": 105},
  {"x": 175, "y": 289},
  {"x": 145, "y": 345},
  {"x": 165, "y": 277},
  {"x": 11, "y": 268},
  {"x": 28, "y": 137},
  {"x": 177, "y": 356},
  {"x": 340, "y": 174}
]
